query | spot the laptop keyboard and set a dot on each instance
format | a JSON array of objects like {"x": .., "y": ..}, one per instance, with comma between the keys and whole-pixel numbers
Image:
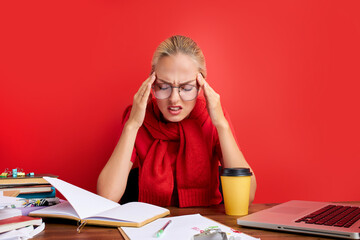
[{"x": 333, "y": 215}]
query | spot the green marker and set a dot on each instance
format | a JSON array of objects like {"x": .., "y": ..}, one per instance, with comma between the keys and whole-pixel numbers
[{"x": 161, "y": 231}]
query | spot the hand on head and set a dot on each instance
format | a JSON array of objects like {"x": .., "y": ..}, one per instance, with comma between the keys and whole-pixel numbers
[
  {"x": 140, "y": 101},
  {"x": 212, "y": 102}
]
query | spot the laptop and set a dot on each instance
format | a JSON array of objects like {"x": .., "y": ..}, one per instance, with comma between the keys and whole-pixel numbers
[{"x": 320, "y": 218}]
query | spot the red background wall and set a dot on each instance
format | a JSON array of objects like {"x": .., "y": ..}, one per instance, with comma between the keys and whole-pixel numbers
[{"x": 287, "y": 72}]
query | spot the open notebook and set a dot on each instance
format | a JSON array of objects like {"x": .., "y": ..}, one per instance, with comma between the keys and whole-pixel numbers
[{"x": 93, "y": 209}]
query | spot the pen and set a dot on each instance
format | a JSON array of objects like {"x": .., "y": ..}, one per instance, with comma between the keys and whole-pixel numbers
[{"x": 161, "y": 231}]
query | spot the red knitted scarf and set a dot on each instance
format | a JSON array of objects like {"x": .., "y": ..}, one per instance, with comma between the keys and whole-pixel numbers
[{"x": 193, "y": 162}]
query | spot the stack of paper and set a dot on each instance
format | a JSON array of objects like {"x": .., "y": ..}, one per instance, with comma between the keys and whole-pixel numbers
[
  {"x": 181, "y": 228},
  {"x": 15, "y": 226},
  {"x": 9, "y": 201},
  {"x": 9, "y": 212},
  {"x": 22, "y": 233}
]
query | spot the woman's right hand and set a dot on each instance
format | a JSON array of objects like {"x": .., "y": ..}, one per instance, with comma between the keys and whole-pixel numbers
[{"x": 140, "y": 101}]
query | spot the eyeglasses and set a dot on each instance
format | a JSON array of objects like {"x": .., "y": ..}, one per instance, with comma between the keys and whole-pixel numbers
[{"x": 187, "y": 92}]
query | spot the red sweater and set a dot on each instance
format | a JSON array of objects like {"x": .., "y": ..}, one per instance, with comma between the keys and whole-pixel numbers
[{"x": 177, "y": 159}]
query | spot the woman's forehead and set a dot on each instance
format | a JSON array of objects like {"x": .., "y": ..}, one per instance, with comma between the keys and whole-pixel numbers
[{"x": 176, "y": 69}]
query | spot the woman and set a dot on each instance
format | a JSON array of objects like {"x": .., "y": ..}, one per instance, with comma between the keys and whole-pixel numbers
[{"x": 177, "y": 137}]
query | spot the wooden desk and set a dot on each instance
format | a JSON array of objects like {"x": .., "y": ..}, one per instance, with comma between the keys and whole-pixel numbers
[{"x": 66, "y": 229}]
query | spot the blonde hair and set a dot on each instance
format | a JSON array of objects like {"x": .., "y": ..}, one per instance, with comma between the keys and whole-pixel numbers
[{"x": 179, "y": 44}]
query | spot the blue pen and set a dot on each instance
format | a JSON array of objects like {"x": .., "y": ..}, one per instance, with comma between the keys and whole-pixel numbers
[{"x": 161, "y": 231}]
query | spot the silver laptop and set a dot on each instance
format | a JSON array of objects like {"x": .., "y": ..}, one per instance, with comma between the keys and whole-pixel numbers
[{"x": 320, "y": 218}]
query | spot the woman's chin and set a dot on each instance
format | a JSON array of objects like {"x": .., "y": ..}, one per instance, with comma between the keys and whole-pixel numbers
[{"x": 172, "y": 118}]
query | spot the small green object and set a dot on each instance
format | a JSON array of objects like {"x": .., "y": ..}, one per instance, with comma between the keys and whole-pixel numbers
[
  {"x": 159, "y": 233},
  {"x": 211, "y": 227}
]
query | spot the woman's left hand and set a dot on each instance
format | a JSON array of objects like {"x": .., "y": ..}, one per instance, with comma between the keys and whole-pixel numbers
[{"x": 212, "y": 102}]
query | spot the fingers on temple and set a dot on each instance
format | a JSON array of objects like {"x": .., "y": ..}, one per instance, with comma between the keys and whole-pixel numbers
[
  {"x": 204, "y": 85},
  {"x": 147, "y": 91},
  {"x": 200, "y": 80},
  {"x": 147, "y": 86}
]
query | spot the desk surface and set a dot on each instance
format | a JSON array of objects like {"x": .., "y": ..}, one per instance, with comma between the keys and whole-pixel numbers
[{"x": 66, "y": 229}]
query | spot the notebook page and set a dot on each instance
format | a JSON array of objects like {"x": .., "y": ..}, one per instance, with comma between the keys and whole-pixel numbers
[
  {"x": 181, "y": 227},
  {"x": 85, "y": 203},
  {"x": 133, "y": 212},
  {"x": 63, "y": 208}
]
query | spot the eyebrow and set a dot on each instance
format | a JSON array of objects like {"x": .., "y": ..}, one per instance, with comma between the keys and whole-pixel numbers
[{"x": 179, "y": 84}]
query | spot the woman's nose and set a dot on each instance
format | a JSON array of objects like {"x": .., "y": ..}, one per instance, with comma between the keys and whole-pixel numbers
[{"x": 175, "y": 95}]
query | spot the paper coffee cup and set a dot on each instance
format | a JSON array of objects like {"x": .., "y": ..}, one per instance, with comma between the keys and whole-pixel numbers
[{"x": 236, "y": 190}]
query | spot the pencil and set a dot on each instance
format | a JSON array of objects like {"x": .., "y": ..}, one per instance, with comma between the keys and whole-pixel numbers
[{"x": 161, "y": 231}]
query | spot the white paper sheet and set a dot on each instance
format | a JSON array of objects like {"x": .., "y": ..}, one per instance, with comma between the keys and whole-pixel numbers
[
  {"x": 133, "y": 212},
  {"x": 8, "y": 201},
  {"x": 85, "y": 203},
  {"x": 22, "y": 233},
  {"x": 63, "y": 208},
  {"x": 181, "y": 228},
  {"x": 9, "y": 212}
]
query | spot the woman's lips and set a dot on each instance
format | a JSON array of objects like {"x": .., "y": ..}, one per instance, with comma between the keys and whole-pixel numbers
[{"x": 174, "y": 110}]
